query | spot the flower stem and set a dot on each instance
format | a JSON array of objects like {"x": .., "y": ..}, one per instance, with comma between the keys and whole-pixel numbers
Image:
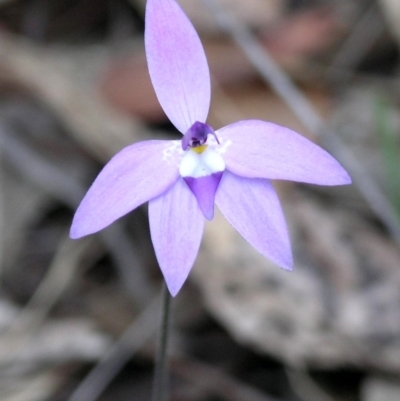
[{"x": 160, "y": 390}]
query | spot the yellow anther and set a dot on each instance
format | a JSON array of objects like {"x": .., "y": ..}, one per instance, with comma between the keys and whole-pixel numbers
[{"x": 199, "y": 149}]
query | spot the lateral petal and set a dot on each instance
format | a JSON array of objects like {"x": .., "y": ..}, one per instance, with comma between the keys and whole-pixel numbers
[
  {"x": 176, "y": 227},
  {"x": 177, "y": 64},
  {"x": 133, "y": 176},
  {"x": 252, "y": 207},
  {"x": 254, "y": 148}
]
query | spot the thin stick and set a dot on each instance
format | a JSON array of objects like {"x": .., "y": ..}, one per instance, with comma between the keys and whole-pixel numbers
[{"x": 160, "y": 370}]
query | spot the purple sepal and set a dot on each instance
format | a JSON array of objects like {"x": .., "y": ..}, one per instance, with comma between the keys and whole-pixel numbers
[
  {"x": 177, "y": 64},
  {"x": 258, "y": 149},
  {"x": 204, "y": 189},
  {"x": 196, "y": 135},
  {"x": 252, "y": 207},
  {"x": 129, "y": 179},
  {"x": 176, "y": 227}
]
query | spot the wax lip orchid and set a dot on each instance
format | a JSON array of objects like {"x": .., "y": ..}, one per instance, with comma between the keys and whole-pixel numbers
[{"x": 183, "y": 179}]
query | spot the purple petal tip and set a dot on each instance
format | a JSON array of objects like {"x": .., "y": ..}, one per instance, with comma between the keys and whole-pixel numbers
[
  {"x": 74, "y": 234},
  {"x": 77, "y": 232},
  {"x": 288, "y": 266},
  {"x": 173, "y": 290},
  {"x": 80, "y": 227}
]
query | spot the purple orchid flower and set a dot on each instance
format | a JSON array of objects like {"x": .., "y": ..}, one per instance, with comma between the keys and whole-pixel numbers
[{"x": 183, "y": 179}]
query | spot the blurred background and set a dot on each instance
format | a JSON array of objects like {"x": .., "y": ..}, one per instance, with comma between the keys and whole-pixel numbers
[{"x": 78, "y": 319}]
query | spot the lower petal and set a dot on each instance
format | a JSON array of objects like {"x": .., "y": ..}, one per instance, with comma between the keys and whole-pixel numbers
[
  {"x": 204, "y": 189},
  {"x": 176, "y": 226},
  {"x": 252, "y": 207}
]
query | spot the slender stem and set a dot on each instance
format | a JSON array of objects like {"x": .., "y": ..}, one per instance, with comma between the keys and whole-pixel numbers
[{"x": 160, "y": 390}]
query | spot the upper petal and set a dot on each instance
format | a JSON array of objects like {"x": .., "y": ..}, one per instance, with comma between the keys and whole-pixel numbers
[
  {"x": 252, "y": 207},
  {"x": 177, "y": 64},
  {"x": 254, "y": 148},
  {"x": 133, "y": 176},
  {"x": 176, "y": 226}
]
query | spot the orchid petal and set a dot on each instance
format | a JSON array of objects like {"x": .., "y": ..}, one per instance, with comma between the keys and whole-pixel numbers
[
  {"x": 254, "y": 148},
  {"x": 133, "y": 176},
  {"x": 177, "y": 64},
  {"x": 176, "y": 227},
  {"x": 252, "y": 207},
  {"x": 204, "y": 189}
]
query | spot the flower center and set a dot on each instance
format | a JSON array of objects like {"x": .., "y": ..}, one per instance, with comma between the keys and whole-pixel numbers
[
  {"x": 196, "y": 136},
  {"x": 201, "y": 166},
  {"x": 199, "y": 149}
]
